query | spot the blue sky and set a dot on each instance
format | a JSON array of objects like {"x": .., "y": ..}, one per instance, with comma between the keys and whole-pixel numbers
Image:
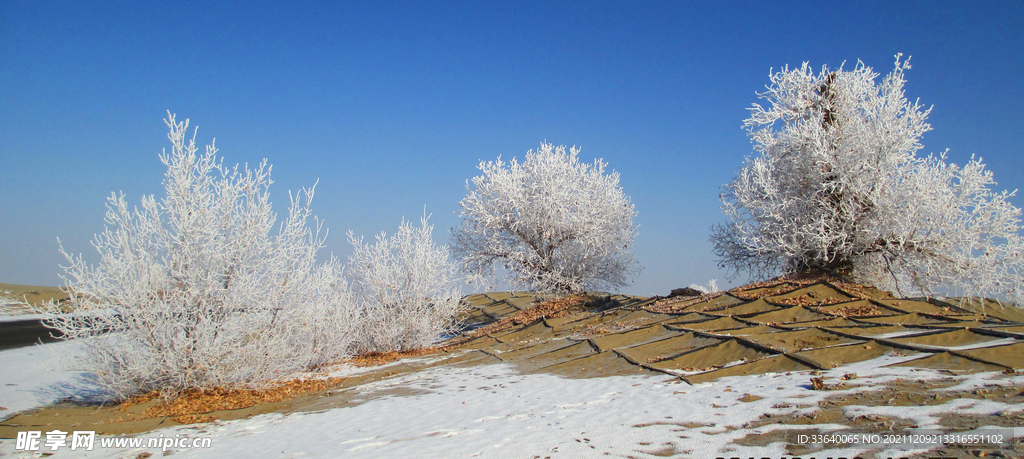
[{"x": 392, "y": 107}]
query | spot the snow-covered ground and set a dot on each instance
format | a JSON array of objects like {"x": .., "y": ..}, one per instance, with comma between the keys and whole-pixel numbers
[
  {"x": 33, "y": 376},
  {"x": 491, "y": 411}
]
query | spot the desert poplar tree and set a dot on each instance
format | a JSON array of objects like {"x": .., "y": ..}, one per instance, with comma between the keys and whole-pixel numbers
[
  {"x": 204, "y": 287},
  {"x": 836, "y": 186},
  {"x": 554, "y": 223}
]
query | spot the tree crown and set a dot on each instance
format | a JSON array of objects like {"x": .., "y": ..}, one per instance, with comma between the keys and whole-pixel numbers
[{"x": 555, "y": 223}]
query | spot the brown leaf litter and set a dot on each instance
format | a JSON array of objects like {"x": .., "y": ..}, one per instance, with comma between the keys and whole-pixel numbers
[
  {"x": 191, "y": 405},
  {"x": 373, "y": 359},
  {"x": 187, "y": 406},
  {"x": 551, "y": 309},
  {"x": 862, "y": 310}
]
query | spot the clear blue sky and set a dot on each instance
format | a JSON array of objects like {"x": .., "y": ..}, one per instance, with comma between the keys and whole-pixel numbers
[{"x": 392, "y": 107}]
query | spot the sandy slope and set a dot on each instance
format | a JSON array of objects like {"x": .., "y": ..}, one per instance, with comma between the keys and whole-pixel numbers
[
  {"x": 732, "y": 376},
  {"x": 491, "y": 411}
]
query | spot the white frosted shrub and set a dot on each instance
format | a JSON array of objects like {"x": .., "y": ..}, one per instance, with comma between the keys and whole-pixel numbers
[
  {"x": 404, "y": 288},
  {"x": 555, "y": 224},
  {"x": 203, "y": 288},
  {"x": 836, "y": 186}
]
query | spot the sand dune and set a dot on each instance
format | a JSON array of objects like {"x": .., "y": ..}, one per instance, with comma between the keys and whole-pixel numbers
[{"x": 739, "y": 373}]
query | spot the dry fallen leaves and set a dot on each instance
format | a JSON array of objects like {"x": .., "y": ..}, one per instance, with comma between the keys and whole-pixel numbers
[
  {"x": 808, "y": 300},
  {"x": 550, "y": 309},
  {"x": 184, "y": 407},
  {"x": 865, "y": 310},
  {"x": 373, "y": 359}
]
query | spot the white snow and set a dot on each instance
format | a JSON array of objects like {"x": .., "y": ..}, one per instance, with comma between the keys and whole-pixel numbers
[
  {"x": 966, "y": 347},
  {"x": 33, "y": 376},
  {"x": 492, "y": 411}
]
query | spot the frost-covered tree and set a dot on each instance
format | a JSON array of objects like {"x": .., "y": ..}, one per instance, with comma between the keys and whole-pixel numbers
[
  {"x": 836, "y": 186},
  {"x": 555, "y": 224},
  {"x": 404, "y": 288},
  {"x": 204, "y": 288}
]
